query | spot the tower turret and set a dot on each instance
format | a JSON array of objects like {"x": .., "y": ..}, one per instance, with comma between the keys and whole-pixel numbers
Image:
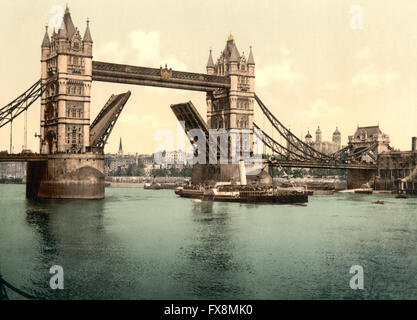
[
  {"x": 337, "y": 137},
  {"x": 318, "y": 135},
  {"x": 88, "y": 40},
  {"x": 210, "y": 64},
  {"x": 308, "y": 138},
  {"x": 46, "y": 43}
]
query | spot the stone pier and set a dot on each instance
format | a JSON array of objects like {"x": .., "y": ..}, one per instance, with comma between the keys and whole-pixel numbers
[{"x": 66, "y": 176}]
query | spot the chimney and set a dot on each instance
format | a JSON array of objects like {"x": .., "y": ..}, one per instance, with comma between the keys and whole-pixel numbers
[{"x": 414, "y": 144}]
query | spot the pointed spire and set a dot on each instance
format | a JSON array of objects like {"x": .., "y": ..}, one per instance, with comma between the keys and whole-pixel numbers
[
  {"x": 69, "y": 25},
  {"x": 46, "y": 43},
  {"x": 251, "y": 60},
  {"x": 120, "y": 146},
  {"x": 210, "y": 63},
  {"x": 87, "y": 34}
]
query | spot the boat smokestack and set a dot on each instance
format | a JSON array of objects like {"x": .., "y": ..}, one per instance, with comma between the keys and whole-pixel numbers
[
  {"x": 414, "y": 144},
  {"x": 242, "y": 173}
]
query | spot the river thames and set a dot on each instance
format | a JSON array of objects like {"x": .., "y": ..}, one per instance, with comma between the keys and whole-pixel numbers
[{"x": 150, "y": 244}]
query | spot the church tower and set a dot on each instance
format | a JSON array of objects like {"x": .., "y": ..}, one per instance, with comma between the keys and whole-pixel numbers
[
  {"x": 65, "y": 105},
  {"x": 120, "y": 152},
  {"x": 233, "y": 109}
]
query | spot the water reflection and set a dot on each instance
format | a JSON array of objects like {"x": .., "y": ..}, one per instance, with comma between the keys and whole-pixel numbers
[
  {"x": 213, "y": 262},
  {"x": 72, "y": 234},
  {"x": 138, "y": 244}
]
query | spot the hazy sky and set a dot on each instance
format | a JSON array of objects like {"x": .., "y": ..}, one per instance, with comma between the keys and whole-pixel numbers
[{"x": 312, "y": 67}]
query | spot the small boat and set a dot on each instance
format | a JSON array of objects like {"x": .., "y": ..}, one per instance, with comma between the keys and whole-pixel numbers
[
  {"x": 364, "y": 190},
  {"x": 378, "y": 202},
  {"x": 152, "y": 186},
  {"x": 401, "y": 196}
]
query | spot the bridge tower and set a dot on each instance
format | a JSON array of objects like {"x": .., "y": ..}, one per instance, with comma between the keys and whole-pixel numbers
[
  {"x": 233, "y": 109},
  {"x": 65, "y": 105},
  {"x": 72, "y": 169}
]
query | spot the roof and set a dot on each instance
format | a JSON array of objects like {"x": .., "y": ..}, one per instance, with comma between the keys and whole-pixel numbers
[
  {"x": 67, "y": 29},
  {"x": 69, "y": 24},
  {"x": 62, "y": 32},
  {"x": 370, "y": 130},
  {"x": 46, "y": 42},
  {"x": 210, "y": 63},
  {"x": 230, "y": 52},
  {"x": 87, "y": 34},
  {"x": 318, "y": 130},
  {"x": 251, "y": 60},
  {"x": 234, "y": 55},
  {"x": 308, "y": 135},
  {"x": 337, "y": 132}
]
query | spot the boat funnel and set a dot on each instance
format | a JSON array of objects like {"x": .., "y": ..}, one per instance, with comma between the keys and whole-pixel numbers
[{"x": 242, "y": 173}]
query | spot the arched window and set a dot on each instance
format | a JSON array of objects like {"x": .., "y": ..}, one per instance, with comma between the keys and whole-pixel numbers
[
  {"x": 74, "y": 113},
  {"x": 74, "y": 135}
]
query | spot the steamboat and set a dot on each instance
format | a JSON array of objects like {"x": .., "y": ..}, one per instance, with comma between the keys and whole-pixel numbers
[{"x": 242, "y": 193}]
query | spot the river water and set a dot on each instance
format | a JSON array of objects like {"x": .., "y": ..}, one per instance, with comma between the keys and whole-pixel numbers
[{"x": 150, "y": 244}]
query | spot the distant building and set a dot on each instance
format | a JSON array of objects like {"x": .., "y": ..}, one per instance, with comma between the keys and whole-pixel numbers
[
  {"x": 365, "y": 137},
  {"x": 326, "y": 147}
]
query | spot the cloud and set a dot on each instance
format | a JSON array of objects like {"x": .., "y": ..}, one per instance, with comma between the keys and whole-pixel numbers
[
  {"x": 320, "y": 108},
  {"x": 285, "y": 51},
  {"x": 375, "y": 76},
  {"x": 363, "y": 54},
  {"x": 281, "y": 72},
  {"x": 141, "y": 48},
  {"x": 330, "y": 85},
  {"x": 145, "y": 121}
]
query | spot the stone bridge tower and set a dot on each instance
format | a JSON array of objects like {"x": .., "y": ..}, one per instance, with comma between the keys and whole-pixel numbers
[
  {"x": 233, "y": 109},
  {"x": 231, "y": 112},
  {"x": 65, "y": 105},
  {"x": 71, "y": 168}
]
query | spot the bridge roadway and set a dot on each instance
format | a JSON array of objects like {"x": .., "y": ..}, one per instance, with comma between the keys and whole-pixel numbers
[
  {"x": 323, "y": 165},
  {"x": 19, "y": 157},
  {"x": 22, "y": 157},
  {"x": 162, "y": 77}
]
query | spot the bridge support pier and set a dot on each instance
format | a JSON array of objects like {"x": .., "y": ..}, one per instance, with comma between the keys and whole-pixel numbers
[
  {"x": 209, "y": 174},
  {"x": 357, "y": 177},
  {"x": 66, "y": 176}
]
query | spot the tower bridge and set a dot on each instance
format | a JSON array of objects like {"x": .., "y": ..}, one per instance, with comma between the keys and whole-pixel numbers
[{"x": 70, "y": 162}]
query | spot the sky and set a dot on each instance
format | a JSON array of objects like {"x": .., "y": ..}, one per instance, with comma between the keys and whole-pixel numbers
[{"x": 318, "y": 62}]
